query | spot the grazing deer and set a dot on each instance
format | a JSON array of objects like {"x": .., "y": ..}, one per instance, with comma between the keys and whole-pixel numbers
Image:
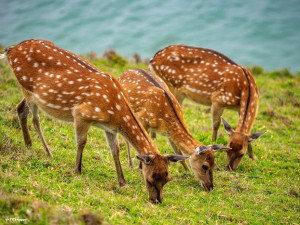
[
  {"x": 158, "y": 110},
  {"x": 210, "y": 78},
  {"x": 68, "y": 88}
]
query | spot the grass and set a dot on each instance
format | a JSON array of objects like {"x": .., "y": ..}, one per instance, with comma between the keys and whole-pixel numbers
[{"x": 40, "y": 190}]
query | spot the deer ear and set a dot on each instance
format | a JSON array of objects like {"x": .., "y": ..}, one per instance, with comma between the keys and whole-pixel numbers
[
  {"x": 201, "y": 149},
  {"x": 216, "y": 148},
  {"x": 146, "y": 159},
  {"x": 254, "y": 136},
  {"x": 176, "y": 158},
  {"x": 227, "y": 127}
]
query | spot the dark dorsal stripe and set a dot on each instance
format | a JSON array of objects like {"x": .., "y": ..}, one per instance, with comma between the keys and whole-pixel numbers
[
  {"x": 249, "y": 96},
  {"x": 199, "y": 48},
  {"x": 156, "y": 84},
  {"x": 77, "y": 60},
  {"x": 245, "y": 73},
  {"x": 132, "y": 114},
  {"x": 138, "y": 123},
  {"x": 215, "y": 52},
  {"x": 97, "y": 71},
  {"x": 228, "y": 60}
]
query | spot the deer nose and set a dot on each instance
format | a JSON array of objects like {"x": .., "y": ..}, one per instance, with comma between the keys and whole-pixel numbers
[{"x": 211, "y": 188}]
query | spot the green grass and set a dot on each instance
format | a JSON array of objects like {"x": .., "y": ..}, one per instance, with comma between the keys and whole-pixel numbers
[{"x": 45, "y": 191}]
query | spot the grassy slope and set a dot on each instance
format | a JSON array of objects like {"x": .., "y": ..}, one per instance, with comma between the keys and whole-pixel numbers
[{"x": 42, "y": 190}]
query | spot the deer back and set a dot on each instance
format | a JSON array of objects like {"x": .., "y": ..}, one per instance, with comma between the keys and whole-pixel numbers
[{"x": 207, "y": 76}]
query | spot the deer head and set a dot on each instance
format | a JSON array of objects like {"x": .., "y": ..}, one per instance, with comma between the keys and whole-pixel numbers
[
  {"x": 155, "y": 171},
  {"x": 238, "y": 143},
  {"x": 202, "y": 162}
]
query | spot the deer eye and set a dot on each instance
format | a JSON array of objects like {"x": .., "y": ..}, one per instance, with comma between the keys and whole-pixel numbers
[
  {"x": 241, "y": 155},
  {"x": 205, "y": 167}
]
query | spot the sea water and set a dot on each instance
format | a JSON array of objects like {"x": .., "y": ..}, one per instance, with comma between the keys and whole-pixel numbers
[{"x": 256, "y": 32}]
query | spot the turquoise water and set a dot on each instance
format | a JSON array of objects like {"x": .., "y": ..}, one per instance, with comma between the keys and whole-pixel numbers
[{"x": 257, "y": 32}]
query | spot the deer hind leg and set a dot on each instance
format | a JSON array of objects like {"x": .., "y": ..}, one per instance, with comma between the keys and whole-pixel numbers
[
  {"x": 216, "y": 112},
  {"x": 178, "y": 152},
  {"x": 81, "y": 130},
  {"x": 250, "y": 152},
  {"x": 23, "y": 111},
  {"x": 115, "y": 151},
  {"x": 36, "y": 124},
  {"x": 153, "y": 135}
]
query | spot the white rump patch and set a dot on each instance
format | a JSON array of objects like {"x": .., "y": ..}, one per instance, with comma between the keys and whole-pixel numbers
[{"x": 2, "y": 56}]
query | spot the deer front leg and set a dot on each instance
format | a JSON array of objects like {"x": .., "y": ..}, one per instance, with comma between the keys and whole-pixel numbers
[
  {"x": 180, "y": 97},
  {"x": 115, "y": 151},
  {"x": 36, "y": 124},
  {"x": 216, "y": 112},
  {"x": 250, "y": 152},
  {"x": 23, "y": 111},
  {"x": 178, "y": 152},
  {"x": 129, "y": 154},
  {"x": 81, "y": 130}
]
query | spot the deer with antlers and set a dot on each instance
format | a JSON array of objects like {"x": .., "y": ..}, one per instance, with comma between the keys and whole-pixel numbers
[
  {"x": 210, "y": 78},
  {"x": 159, "y": 111},
  {"x": 68, "y": 88}
]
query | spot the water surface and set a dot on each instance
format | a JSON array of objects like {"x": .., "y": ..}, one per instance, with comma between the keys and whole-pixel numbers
[{"x": 257, "y": 32}]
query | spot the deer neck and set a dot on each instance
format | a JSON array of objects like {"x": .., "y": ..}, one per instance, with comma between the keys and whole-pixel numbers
[
  {"x": 182, "y": 139},
  {"x": 248, "y": 105},
  {"x": 135, "y": 133}
]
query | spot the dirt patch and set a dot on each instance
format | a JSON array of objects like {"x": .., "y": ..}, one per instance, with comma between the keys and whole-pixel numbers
[
  {"x": 273, "y": 114},
  {"x": 91, "y": 219}
]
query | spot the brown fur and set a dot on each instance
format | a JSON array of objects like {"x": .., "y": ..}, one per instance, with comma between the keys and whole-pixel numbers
[
  {"x": 159, "y": 111},
  {"x": 67, "y": 87},
  {"x": 210, "y": 78}
]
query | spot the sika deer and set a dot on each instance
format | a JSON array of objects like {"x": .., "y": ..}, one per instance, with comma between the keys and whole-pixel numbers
[
  {"x": 210, "y": 78},
  {"x": 159, "y": 111},
  {"x": 68, "y": 88}
]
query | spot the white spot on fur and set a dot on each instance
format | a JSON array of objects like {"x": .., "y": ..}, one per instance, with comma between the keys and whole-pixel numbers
[
  {"x": 118, "y": 107},
  {"x": 53, "y": 106}
]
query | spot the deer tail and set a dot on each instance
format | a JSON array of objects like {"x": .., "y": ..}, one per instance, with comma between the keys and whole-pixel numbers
[{"x": 4, "y": 54}]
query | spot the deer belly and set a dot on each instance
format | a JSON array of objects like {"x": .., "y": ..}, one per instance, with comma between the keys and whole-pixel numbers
[
  {"x": 197, "y": 96},
  {"x": 58, "y": 111}
]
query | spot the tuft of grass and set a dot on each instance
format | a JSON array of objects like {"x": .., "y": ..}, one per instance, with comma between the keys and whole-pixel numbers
[{"x": 45, "y": 191}]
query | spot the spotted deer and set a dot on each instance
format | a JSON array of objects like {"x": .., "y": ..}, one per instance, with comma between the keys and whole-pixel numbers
[
  {"x": 210, "y": 78},
  {"x": 158, "y": 110},
  {"x": 68, "y": 88}
]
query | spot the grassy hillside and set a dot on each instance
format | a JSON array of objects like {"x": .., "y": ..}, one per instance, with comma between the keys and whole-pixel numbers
[{"x": 40, "y": 190}]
